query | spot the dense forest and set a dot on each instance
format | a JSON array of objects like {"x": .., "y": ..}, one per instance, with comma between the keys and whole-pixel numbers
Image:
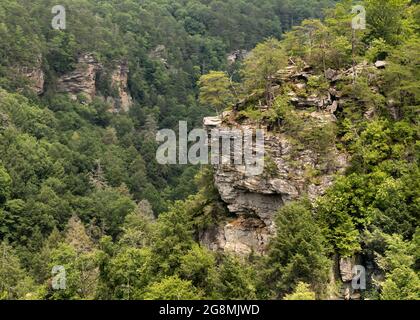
[{"x": 80, "y": 186}]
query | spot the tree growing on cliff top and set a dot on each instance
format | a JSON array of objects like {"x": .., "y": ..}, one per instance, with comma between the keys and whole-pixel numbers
[
  {"x": 261, "y": 67},
  {"x": 215, "y": 90}
]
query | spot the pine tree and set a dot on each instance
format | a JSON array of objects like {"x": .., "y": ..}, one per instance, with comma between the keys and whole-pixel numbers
[
  {"x": 298, "y": 251},
  {"x": 216, "y": 90},
  {"x": 261, "y": 66}
]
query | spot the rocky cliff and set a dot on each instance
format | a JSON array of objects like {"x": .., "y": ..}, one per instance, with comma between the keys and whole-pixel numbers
[
  {"x": 83, "y": 80},
  {"x": 291, "y": 171},
  {"x": 119, "y": 82},
  {"x": 254, "y": 200},
  {"x": 35, "y": 76}
]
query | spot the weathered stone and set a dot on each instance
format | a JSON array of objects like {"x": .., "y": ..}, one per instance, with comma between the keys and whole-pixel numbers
[
  {"x": 212, "y": 121},
  {"x": 236, "y": 56},
  {"x": 300, "y": 86},
  {"x": 346, "y": 268},
  {"x": 380, "y": 64},
  {"x": 160, "y": 53},
  {"x": 82, "y": 79},
  {"x": 308, "y": 102},
  {"x": 370, "y": 113},
  {"x": 333, "y": 107},
  {"x": 332, "y": 74},
  {"x": 241, "y": 236},
  {"x": 119, "y": 81},
  {"x": 35, "y": 75},
  {"x": 254, "y": 200},
  {"x": 393, "y": 109},
  {"x": 300, "y": 76}
]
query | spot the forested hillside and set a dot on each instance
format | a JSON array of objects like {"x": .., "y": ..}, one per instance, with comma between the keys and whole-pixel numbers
[{"x": 80, "y": 187}]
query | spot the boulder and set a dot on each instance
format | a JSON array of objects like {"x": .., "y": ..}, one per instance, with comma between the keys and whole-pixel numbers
[{"x": 380, "y": 64}]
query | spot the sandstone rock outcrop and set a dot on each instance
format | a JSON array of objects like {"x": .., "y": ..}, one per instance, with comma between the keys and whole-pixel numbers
[
  {"x": 119, "y": 81},
  {"x": 82, "y": 80},
  {"x": 236, "y": 56},
  {"x": 302, "y": 97},
  {"x": 241, "y": 235},
  {"x": 160, "y": 53},
  {"x": 35, "y": 75},
  {"x": 254, "y": 200},
  {"x": 346, "y": 268}
]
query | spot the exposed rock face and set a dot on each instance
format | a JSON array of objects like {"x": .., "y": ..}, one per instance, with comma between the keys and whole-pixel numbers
[
  {"x": 254, "y": 200},
  {"x": 330, "y": 100},
  {"x": 119, "y": 81},
  {"x": 160, "y": 53},
  {"x": 380, "y": 64},
  {"x": 346, "y": 268},
  {"x": 35, "y": 76},
  {"x": 82, "y": 80},
  {"x": 348, "y": 273},
  {"x": 236, "y": 56},
  {"x": 241, "y": 235}
]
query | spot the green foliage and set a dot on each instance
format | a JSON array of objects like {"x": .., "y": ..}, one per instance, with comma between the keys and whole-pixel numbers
[
  {"x": 336, "y": 211},
  {"x": 261, "y": 65},
  {"x": 173, "y": 237},
  {"x": 199, "y": 266},
  {"x": 302, "y": 128},
  {"x": 387, "y": 19},
  {"x": 78, "y": 256},
  {"x": 129, "y": 272},
  {"x": 325, "y": 48},
  {"x": 253, "y": 114},
  {"x": 402, "y": 282},
  {"x": 378, "y": 50},
  {"x": 80, "y": 273},
  {"x": 270, "y": 167},
  {"x": 360, "y": 201},
  {"x": 205, "y": 206},
  {"x": 62, "y": 52},
  {"x": 14, "y": 281},
  {"x": 302, "y": 292},
  {"x": 318, "y": 85},
  {"x": 215, "y": 90},
  {"x": 110, "y": 208},
  {"x": 402, "y": 78},
  {"x": 236, "y": 280},
  {"x": 80, "y": 187},
  {"x": 5, "y": 183},
  {"x": 172, "y": 288},
  {"x": 298, "y": 252}
]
